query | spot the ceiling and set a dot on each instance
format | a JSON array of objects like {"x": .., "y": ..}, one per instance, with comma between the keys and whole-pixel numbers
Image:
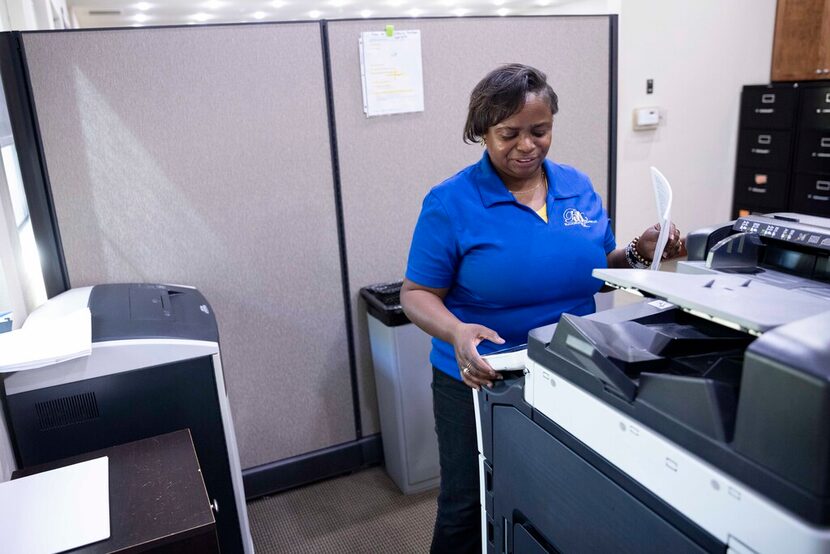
[{"x": 123, "y": 13}]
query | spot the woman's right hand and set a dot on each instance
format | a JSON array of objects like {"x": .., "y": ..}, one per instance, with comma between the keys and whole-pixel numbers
[{"x": 475, "y": 371}]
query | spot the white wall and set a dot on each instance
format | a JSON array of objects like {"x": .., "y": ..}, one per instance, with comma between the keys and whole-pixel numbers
[
  {"x": 699, "y": 53},
  {"x": 20, "y": 14},
  {"x": 29, "y": 15}
]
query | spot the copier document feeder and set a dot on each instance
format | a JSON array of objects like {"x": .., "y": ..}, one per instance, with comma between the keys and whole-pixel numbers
[{"x": 697, "y": 420}]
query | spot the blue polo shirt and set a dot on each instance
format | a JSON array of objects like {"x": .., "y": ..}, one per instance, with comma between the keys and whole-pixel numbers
[{"x": 504, "y": 266}]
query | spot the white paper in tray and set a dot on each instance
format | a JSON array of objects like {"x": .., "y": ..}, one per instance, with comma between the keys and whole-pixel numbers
[
  {"x": 50, "y": 342},
  {"x": 512, "y": 359}
]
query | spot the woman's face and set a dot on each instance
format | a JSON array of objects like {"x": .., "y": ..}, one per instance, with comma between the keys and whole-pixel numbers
[{"x": 518, "y": 145}]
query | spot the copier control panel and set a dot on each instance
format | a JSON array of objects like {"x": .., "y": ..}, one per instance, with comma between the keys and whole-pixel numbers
[{"x": 780, "y": 227}]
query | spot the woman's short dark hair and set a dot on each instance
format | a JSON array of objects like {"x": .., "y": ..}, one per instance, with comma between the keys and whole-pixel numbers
[{"x": 501, "y": 94}]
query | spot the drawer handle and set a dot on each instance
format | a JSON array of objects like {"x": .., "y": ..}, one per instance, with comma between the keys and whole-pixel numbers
[
  {"x": 765, "y": 110},
  {"x": 764, "y": 139},
  {"x": 760, "y": 151},
  {"x": 822, "y": 185},
  {"x": 825, "y": 142},
  {"x": 767, "y": 98},
  {"x": 819, "y": 198},
  {"x": 758, "y": 190}
]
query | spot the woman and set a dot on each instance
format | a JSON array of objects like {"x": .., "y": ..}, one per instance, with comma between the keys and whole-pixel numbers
[{"x": 502, "y": 247}]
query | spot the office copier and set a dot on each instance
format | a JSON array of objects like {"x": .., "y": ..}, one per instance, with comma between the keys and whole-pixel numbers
[
  {"x": 697, "y": 420},
  {"x": 154, "y": 367}
]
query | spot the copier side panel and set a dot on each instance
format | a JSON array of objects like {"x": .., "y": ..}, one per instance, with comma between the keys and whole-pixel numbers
[
  {"x": 554, "y": 500},
  {"x": 716, "y": 502}
]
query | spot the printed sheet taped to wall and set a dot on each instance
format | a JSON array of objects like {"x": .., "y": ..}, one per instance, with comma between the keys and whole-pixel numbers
[{"x": 391, "y": 72}]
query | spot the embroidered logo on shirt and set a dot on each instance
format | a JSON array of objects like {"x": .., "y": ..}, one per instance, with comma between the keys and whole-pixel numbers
[{"x": 575, "y": 217}]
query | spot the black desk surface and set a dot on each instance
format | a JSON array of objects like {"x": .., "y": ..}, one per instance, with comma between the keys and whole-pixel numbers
[{"x": 158, "y": 499}]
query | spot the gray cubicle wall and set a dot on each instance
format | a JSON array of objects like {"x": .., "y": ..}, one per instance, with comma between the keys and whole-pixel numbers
[
  {"x": 201, "y": 156},
  {"x": 388, "y": 164}
]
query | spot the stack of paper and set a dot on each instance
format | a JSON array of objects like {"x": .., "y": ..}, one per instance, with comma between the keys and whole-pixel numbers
[
  {"x": 53, "y": 341},
  {"x": 511, "y": 359}
]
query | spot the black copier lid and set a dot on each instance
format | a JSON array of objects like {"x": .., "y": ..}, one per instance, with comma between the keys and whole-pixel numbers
[{"x": 145, "y": 311}]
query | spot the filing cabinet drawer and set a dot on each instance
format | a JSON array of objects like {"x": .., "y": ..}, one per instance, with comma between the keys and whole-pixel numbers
[
  {"x": 742, "y": 210},
  {"x": 768, "y": 107},
  {"x": 764, "y": 149},
  {"x": 811, "y": 194},
  {"x": 759, "y": 187},
  {"x": 813, "y": 155},
  {"x": 815, "y": 108}
]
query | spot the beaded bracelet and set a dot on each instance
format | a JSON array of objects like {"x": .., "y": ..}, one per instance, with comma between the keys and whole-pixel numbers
[
  {"x": 636, "y": 252},
  {"x": 633, "y": 258}
]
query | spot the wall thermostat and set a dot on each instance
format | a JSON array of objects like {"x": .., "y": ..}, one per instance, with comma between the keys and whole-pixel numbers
[{"x": 646, "y": 118}]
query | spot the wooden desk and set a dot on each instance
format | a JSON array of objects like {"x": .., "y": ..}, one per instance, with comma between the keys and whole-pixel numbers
[{"x": 158, "y": 501}]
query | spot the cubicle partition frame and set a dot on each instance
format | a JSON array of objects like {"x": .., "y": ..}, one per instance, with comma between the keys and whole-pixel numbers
[
  {"x": 14, "y": 72},
  {"x": 267, "y": 478},
  {"x": 613, "y": 41}
]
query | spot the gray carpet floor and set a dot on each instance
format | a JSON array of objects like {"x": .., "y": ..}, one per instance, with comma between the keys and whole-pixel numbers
[{"x": 361, "y": 512}]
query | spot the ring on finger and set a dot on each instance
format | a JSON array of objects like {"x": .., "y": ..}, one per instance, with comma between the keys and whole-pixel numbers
[{"x": 467, "y": 368}]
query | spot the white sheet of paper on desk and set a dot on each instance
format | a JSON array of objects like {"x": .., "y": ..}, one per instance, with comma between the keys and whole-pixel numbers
[
  {"x": 56, "y": 510},
  {"x": 663, "y": 199},
  {"x": 57, "y": 340}
]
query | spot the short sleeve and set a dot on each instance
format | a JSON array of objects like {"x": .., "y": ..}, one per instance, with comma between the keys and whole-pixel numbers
[
  {"x": 610, "y": 240},
  {"x": 433, "y": 254}
]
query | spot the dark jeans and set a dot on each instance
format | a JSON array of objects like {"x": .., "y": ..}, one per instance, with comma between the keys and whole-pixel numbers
[{"x": 458, "y": 521}]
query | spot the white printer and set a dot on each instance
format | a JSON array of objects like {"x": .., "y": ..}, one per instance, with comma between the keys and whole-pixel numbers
[
  {"x": 154, "y": 366},
  {"x": 695, "y": 421}
]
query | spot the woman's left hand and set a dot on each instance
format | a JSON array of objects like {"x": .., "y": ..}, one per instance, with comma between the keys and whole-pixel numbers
[{"x": 647, "y": 243}]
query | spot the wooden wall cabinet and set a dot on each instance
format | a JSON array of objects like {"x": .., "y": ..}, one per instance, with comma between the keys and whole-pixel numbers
[{"x": 801, "y": 49}]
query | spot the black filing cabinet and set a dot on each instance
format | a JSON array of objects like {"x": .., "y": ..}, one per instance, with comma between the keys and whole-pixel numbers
[
  {"x": 811, "y": 182},
  {"x": 765, "y": 143},
  {"x": 783, "y": 159}
]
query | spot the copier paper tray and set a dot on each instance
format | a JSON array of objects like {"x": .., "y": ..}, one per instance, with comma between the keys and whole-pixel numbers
[
  {"x": 734, "y": 371},
  {"x": 735, "y": 300}
]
